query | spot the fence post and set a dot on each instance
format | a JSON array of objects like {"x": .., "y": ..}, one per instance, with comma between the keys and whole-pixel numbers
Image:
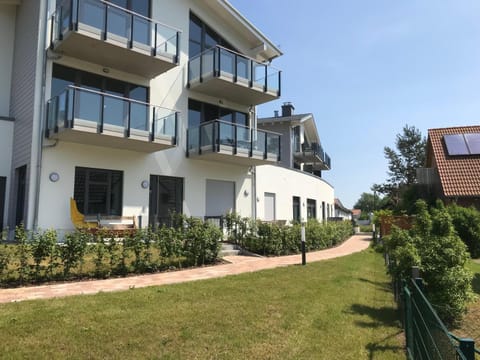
[
  {"x": 304, "y": 259},
  {"x": 415, "y": 272},
  {"x": 467, "y": 347}
]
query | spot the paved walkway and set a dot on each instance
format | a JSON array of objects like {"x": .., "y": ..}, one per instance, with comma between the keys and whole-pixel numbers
[{"x": 237, "y": 265}]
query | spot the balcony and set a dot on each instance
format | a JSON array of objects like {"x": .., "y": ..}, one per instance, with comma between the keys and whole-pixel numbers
[
  {"x": 89, "y": 117},
  {"x": 222, "y": 141},
  {"x": 106, "y": 34},
  {"x": 222, "y": 73},
  {"x": 313, "y": 155}
]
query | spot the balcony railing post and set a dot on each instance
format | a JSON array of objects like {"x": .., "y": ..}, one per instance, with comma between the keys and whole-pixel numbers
[
  {"x": 252, "y": 74},
  {"x": 129, "y": 120},
  {"x": 279, "y": 93},
  {"x": 199, "y": 139},
  {"x": 265, "y": 86},
  {"x": 105, "y": 24},
  {"x": 215, "y": 141},
  {"x": 152, "y": 128},
  {"x": 66, "y": 123},
  {"x": 216, "y": 64},
  {"x": 130, "y": 35},
  {"x": 74, "y": 19},
  {"x": 235, "y": 69},
  {"x": 265, "y": 151},
  {"x": 201, "y": 67},
  {"x": 250, "y": 150},
  {"x": 279, "y": 157},
  {"x": 102, "y": 114},
  {"x": 235, "y": 142},
  {"x": 177, "y": 52},
  {"x": 175, "y": 129},
  {"x": 154, "y": 50}
]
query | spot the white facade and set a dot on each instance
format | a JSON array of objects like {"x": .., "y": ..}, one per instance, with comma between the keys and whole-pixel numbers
[
  {"x": 287, "y": 183},
  {"x": 47, "y": 199}
]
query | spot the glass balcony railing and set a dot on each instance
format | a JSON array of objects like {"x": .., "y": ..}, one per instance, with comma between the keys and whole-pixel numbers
[
  {"x": 213, "y": 136},
  {"x": 84, "y": 108},
  {"x": 219, "y": 61},
  {"x": 115, "y": 23},
  {"x": 317, "y": 150}
]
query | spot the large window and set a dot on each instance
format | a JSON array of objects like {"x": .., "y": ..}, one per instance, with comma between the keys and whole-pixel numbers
[
  {"x": 311, "y": 209},
  {"x": 296, "y": 208},
  {"x": 98, "y": 191},
  {"x": 199, "y": 112},
  {"x": 202, "y": 37},
  {"x": 141, "y": 7},
  {"x": 63, "y": 76}
]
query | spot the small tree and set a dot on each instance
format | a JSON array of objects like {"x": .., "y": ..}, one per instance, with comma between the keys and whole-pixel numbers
[{"x": 403, "y": 163}]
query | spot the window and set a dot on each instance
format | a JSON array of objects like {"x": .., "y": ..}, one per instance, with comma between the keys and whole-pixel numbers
[
  {"x": 202, "y": 37},
  {"x": 311, "y": 209},
  {"x": 98, "y": 191},
  {"x": 269, "y": 207},
  {"x": 199, "y": 112},
  {"x": 296, "y": 208},
  {"x": 63, "y": 76}
]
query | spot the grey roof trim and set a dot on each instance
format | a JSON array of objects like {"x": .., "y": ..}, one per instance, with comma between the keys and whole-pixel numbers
[
  {"x": 7, "y": 118},
  {"x": 252, "y": 28}
]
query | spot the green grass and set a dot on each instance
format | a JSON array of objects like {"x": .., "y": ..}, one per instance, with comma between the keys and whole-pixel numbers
[
  {"x": 470, "y": 326},
  {"x": 336, "y": 309}
]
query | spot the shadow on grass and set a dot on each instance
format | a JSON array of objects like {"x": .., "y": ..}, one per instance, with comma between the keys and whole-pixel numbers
[
  {"x": 384, "y": 285},
  {"x": 383, "y": 316},
  {"x": 476, "y": 283},
  {"x": 374, "y": 349}
]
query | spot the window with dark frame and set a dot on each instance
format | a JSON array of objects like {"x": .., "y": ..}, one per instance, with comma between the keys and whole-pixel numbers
[
  {"x": 199, "y": 112},
  {"x": 203, "y": 37},
  {"x": 296, "y": 208},
  {"x": 98, "y": 191},
  {"x": 311, "y": 209}
]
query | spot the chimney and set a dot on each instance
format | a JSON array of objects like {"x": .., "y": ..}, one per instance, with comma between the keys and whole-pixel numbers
[
  {"x": 287, "y": 109},
  {"x": 275, "y": 112}
]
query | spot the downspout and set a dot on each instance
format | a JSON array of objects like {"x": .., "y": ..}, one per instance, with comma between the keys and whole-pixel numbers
[
  {"x": 253, "y": 169},
  {"x": 40, "y": 94}
]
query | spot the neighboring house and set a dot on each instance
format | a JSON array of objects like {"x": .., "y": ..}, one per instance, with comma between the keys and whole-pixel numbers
[
  {"x": 295, "y": 184},
  {"x": 139, "y": 110},
  {"x": 341, "y": 211},
  {"x": 452, "y": 171},
  {"x": 356, "y": 213}
]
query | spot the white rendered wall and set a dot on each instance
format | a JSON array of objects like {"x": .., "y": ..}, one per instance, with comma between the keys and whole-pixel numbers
[
  {"x": 7, "y": 37},
  {"x": 286, "y": 183}
]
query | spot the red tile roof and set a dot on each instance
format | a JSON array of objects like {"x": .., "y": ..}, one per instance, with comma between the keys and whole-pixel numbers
[{"x": 459, "y": 175}]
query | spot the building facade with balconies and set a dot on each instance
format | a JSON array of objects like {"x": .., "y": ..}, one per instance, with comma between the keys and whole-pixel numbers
[
  {"x": 136, "y": 108},
  {"x": 133, "y": 108}
]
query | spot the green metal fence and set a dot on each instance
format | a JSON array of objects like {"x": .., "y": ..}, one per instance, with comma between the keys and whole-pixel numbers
[{"x": 427, "y": 338}]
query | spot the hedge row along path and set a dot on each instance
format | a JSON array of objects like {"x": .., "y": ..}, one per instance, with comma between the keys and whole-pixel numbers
[{"x": 236, "y": 265}]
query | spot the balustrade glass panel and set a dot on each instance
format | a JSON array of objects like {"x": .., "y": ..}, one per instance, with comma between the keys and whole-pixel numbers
[
  {"x": 273, "y": 84},
  {"x": 194, "y": 69},
  {"x": 208, "y": 61},
  {"x": 164, "y": 122},
  {"x": 243, "y": 138},
  {"x": 88, "y": 106},
  {"x": 141, "y": 31},
  {"x": 243, "y": 68},
  {"x": 206, "y": 134},
  {"x": 114, "y": 111},
  {"x": 92, "y": 13},
  {"x": 227, "y": 134},
  {"x": 227, "y": 60},
  {"x": 64, "y": 12},
  {"x": 193, "y": 138},
  {"x": 118, "y": 22},
  {"x": 259, "y": 75},
  {"x": 273, "y": 142},
  {"x": 259, "y": 143},
  {"x": 139, "y": 117}
]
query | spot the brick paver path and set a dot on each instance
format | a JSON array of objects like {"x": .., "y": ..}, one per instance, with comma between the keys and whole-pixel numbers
[{"x": 237, "y": 265}]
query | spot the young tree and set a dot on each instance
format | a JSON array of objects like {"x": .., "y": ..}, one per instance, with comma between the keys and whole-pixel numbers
[{"x": 403, "y": 162}]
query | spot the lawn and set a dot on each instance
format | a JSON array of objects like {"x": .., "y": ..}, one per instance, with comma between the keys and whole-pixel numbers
[
  {"x": 335, "y": 309},
  {"x": 470, "y": 326}
]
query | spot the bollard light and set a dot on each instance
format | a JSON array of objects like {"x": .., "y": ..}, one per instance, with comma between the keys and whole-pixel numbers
[{"x": 304, "y": 259}]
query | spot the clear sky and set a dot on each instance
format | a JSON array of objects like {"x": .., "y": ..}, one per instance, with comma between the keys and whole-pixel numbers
[{"x": 365, "y": 68}]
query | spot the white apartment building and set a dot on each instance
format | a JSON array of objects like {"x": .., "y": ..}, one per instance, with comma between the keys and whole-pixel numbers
[{"x": 139, "y": 108}]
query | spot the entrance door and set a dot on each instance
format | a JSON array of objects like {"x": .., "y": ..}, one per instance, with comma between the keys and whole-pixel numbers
[
  {"x": 166, "y": 198},
  {"x": 21, "y": 185},
  {"x": 3, "y": 184},
  {"x": 269, "y": 207}
]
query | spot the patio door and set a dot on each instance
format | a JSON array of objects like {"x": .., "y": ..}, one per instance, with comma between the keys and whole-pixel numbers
[{"x": 166, "y": 198}]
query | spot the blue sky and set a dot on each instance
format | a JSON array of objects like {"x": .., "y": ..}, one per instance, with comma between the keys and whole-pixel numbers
[{"x": 366, "y": 68}]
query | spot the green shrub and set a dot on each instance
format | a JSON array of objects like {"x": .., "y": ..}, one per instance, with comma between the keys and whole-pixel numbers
[
  {"x": 73, "y": 250},
  {"x": 467, "y": 224},
  {"x": 434, "y": 246},
  {"x": 201, "y": 242},
  {"x": 44, "y": 247}
]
